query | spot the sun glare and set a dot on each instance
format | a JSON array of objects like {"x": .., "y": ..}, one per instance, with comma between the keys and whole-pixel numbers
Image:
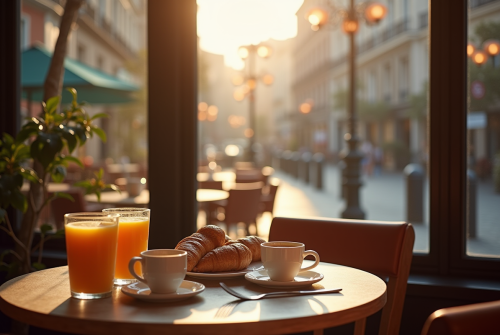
[{"x": 225, "y": 25}]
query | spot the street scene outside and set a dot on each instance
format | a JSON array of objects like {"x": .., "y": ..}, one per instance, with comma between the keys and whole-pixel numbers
[
  {"x": 304, "y": 108},
  {"x": 275, "y": 79}
]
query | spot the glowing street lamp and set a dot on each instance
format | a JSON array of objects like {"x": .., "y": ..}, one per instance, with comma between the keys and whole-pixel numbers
[
  {"x": 371, "y": 13},
  {"x": 248, "y": 85},
  {"x": 491, "y": 48}
]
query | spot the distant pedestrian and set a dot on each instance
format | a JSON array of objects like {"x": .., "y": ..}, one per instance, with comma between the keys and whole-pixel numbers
[
  {"x": 378, "y": 157},
  {"x": 367, "y": 161}
]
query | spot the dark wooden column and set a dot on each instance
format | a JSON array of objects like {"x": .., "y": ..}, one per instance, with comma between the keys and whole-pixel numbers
[
  {"x": 172, "y": 49},
  {"x": 10, "y": 81},
  {"x": 10, "y": 59}
]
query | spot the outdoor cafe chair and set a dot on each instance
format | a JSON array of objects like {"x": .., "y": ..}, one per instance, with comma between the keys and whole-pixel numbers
[
  {"x": 268, "y": 198},
  {"x": 379, "y": 247},
  {"x": 243, "y": 205},
  {"x": 248, "y": 176},
  {"x": 210, "y": 184},
  {"x": 479, "y": 318}
]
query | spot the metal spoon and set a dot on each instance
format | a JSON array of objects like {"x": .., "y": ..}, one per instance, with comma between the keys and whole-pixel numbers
[{"x": 276, "y": 294}]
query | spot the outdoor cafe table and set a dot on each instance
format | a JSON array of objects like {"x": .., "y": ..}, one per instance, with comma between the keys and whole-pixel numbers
[
  {"x": 124, "y": 200},
  {"x": 43, "y": 299}
]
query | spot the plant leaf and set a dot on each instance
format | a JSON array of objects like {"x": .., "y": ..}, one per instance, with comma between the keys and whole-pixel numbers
[
  {"x": 30, "y": 175},
  {"x": 59, "y": 173},
  {"x": 100, "y": 133},
  {"x": 45, "y": 228},
  {"x": 18, "y": 200},
  {"x": 74, "y": 160},
  {"x": 99, "y": 115},
  {"x": 63, "y": 195},
  {"x": 52, "y": 104},
  {"x": 73, "y": 93},
  {"x": 70, "y": 140}
]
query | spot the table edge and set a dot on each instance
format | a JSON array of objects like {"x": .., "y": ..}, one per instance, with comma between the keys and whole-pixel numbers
[{"x": 82, "y": 326}]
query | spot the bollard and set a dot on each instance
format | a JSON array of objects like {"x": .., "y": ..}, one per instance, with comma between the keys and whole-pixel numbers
[
  {"x": 318, "y": 160},
  {"x": 305, "y": 166},
  {"x": 294, "y": 164},
  {"x": 414, "y": 175},
  {"x": 285, "y": 161},
  {"x": 342, "y": 187},
  {"x": 471, "y": 204}
]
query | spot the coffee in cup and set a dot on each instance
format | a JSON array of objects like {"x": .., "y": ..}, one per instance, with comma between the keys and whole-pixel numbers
[
  {"x": 283, "y": 260},
  {"x": 163, "y": 269}
]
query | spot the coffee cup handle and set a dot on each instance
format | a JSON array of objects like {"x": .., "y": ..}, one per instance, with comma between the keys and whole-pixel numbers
[
  {"x": 132, "y": 270},
  {"x": 316, "y": 256}
]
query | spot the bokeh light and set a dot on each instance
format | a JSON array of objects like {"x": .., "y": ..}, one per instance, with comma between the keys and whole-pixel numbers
[{"x": 232, "y": 150}]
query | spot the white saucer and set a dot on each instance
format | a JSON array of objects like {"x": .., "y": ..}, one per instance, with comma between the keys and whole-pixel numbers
[
  {"x": 141, "y": 291},
  {"x": 225, "y": 275},
  {"x": 305, "y": 278}
]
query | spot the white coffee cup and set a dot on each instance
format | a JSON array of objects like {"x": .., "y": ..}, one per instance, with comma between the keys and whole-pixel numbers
[
  {"x": 163, "y": 269},
  {"x": 283, "y": 260}
]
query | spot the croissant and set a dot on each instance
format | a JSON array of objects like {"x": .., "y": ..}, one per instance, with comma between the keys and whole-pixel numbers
[
  {"x": 252, "y": 243},
  {"x": 230, "y": 257},
  {"x": 200, "y": 243}
]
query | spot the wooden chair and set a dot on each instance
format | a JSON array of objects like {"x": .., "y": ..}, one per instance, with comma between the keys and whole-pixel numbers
[
  {"x": 267, "y": 199},
  {"x": 482, "y": 318},
  {"x": 248, "y": 176},
  {"x": 210, "y": 184},
  {"x": 243, "y": 204},
  {"x": 382, "y": 248}
]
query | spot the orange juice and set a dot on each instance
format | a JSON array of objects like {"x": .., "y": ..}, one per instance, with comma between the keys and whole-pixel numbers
[
  {"x": 91, "y": 248},
  {"x": 132, "y": 240}
]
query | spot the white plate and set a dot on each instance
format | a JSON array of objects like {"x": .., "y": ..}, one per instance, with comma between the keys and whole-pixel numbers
[
  {"x": 141, "y": 291},
  {"x": 224, "y": 275},
  {"x": 305, "y": 278}
]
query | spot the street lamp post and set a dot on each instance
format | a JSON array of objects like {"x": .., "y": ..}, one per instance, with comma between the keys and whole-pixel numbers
[
  {"x": 372, "y": 13},
  {"x": 249, "y": 53}
]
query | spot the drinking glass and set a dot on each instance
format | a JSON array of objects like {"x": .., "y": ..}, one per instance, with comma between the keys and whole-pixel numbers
[
  {"x": 91, "y": 241},
  {"x": 133, "y": 233}
]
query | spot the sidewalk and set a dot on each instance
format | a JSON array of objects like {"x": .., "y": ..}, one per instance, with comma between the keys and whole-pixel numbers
[{"x": 383, "y": 198}]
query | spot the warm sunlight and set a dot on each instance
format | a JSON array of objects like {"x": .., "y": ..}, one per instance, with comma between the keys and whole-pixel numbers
[{"x": 225, "y": 25}]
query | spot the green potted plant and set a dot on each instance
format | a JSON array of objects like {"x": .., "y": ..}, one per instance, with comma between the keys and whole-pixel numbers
[{"x": 53, "y": 137}]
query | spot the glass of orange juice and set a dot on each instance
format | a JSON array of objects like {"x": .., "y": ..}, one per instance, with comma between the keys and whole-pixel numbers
[
  {"x": 133, "y": 233},
  {"x": 91, "y": 242}
]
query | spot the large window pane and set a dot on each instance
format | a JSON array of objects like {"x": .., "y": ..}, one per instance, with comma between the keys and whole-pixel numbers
[
  {"x": 304, "y": 111},
  {"x": 483, "y": 129},
  {"x": 106, "y": 63}
]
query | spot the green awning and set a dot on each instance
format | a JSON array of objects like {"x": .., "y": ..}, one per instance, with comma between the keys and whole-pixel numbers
[{"x": 93, "y": 86}]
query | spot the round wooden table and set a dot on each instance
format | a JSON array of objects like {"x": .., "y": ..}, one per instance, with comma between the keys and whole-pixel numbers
[
  {"x": 43, "y": 299},
  {"x": 124, "y": 200}
]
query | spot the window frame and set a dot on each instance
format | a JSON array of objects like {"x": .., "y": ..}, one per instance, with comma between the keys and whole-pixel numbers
[{"x": 448, "y": 138}]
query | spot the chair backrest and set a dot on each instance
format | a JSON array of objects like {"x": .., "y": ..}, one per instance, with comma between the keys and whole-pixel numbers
[
  {"x": 61, "y": 206},
  {"x": 243, "y": 204},
  {"x": 210, "y": 184},
  {"x": 462, "y": 320},
  {"x": 379, "y": 247},
  {"x": 248, "y": 176}
]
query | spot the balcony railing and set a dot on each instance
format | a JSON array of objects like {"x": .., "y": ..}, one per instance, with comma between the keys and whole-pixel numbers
[
  {"x": 386, "y": 35},
  {"x": 477, "y": 3}
]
